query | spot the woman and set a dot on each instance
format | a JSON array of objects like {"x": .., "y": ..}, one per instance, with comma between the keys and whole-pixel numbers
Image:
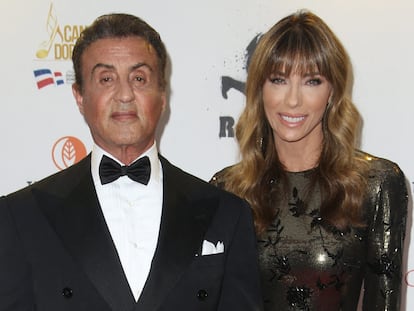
[{"x": 330, "y": 218}]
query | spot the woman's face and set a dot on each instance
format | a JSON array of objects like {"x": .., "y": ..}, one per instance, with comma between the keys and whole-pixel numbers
[{"x": 294, "y": 106}]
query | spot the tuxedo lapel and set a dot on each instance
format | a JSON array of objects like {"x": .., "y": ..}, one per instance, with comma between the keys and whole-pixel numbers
[
  {"x": 185, "y": 219},
  {"x": 79, "y": 222}
]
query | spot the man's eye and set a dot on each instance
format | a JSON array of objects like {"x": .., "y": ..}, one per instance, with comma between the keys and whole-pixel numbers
[
  {"x": 106, "y": 79},
  {"x": 139, "y": 79}
]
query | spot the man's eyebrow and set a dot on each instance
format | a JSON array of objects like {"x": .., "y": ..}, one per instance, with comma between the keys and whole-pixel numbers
[
  {"x": 100, "y": 65},
  {"x": 112, "y": 67},
  {"x": 139, "y": 65}
]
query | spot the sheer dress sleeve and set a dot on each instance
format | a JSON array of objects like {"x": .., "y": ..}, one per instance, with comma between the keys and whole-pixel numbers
[{"x": 386, "y": 219}]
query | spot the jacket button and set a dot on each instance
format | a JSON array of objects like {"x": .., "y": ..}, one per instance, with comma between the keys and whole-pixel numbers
[
  {"x": 67, "y": 292},
  {"x": 202, "y": 295}
]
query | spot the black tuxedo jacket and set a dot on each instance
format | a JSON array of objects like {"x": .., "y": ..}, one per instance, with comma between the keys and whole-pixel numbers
[{"x": 56, "y": 252}]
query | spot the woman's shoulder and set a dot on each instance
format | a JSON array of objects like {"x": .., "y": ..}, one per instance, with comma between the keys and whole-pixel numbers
[
  {"x": 387, "y": 194},
  {"x": 381, "y": 169},
  {"x": 219, "y": 178}
]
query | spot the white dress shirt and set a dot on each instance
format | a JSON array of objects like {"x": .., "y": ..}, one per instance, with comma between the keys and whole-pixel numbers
[{"x": 132, "y": 212}]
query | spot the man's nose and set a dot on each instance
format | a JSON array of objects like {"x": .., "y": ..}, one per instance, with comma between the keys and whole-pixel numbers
[{"x": 125, "y": 92}]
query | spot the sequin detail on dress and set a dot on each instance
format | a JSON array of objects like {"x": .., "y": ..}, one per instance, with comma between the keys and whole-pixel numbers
[{"x": 308, "y": 265}]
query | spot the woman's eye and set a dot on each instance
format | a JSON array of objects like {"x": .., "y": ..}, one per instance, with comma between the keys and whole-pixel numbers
[
  {"x": 315, "y": 81},
  {"x": 277, "y": 80}
]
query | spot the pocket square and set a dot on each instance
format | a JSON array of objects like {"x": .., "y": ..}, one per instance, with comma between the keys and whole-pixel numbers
[{"x": 209, "y": 248}]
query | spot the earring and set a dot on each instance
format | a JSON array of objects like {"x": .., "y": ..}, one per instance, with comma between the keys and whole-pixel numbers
[
  {"x": 329, "y": 101},
  {"x": 260, "y": 142}
]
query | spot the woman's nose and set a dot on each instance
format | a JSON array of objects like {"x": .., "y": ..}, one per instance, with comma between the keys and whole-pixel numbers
[{"x": 293, "y": 96}]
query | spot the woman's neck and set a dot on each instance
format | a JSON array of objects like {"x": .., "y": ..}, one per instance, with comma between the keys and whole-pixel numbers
[{"x": 299, "y": 156}]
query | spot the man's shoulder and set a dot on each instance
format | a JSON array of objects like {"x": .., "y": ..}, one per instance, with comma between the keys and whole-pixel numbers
[
  {"x": 178, "y": 176},
  {"x": 59, "y": 181},
  {"x": 194, "y": 185}
]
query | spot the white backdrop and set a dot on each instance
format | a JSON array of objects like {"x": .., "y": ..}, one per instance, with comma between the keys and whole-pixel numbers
[{"x": 42, "y": 131}]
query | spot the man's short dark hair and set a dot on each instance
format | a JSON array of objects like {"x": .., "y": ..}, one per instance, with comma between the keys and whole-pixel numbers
[{"x": 118, "y": 25}]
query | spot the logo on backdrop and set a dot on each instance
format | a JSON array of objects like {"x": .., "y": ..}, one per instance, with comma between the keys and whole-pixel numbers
[
  {"x": 59, "y": 39},
  {"x": 409, "y": 278},
  {"x": 45, "y": 77},
  {"x": 227, "y": 83},
  {"x": 58, "y": 43},
  {"x": 67, "y": 151}
]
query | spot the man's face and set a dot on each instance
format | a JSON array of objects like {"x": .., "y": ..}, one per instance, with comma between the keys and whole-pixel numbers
[{"x": 121, "y": 99}]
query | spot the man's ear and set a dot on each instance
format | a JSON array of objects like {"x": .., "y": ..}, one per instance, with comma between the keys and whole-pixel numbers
[
  {"x": 77, "y": 94},
  {"x": 164, "y": 101}
]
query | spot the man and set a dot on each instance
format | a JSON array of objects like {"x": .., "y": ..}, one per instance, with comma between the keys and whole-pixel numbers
[{"x": 96, "y": 236}]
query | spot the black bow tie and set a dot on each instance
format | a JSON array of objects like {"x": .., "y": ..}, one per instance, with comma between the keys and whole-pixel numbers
[{"x": 110, "y": 170}]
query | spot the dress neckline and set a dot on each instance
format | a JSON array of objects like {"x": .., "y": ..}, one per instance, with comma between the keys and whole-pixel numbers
[{"x": 305, "y": 172}]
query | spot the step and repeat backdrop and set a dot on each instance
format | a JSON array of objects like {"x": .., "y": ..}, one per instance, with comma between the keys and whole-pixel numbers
[{"x": 209, "y": 43}]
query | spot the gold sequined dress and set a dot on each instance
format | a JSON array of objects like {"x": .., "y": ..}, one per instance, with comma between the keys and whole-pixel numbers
[{"x": 306, "y": 265}]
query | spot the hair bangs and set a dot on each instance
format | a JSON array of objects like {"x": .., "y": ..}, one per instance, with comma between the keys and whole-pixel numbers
[{"x": 299, "y": 52}]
